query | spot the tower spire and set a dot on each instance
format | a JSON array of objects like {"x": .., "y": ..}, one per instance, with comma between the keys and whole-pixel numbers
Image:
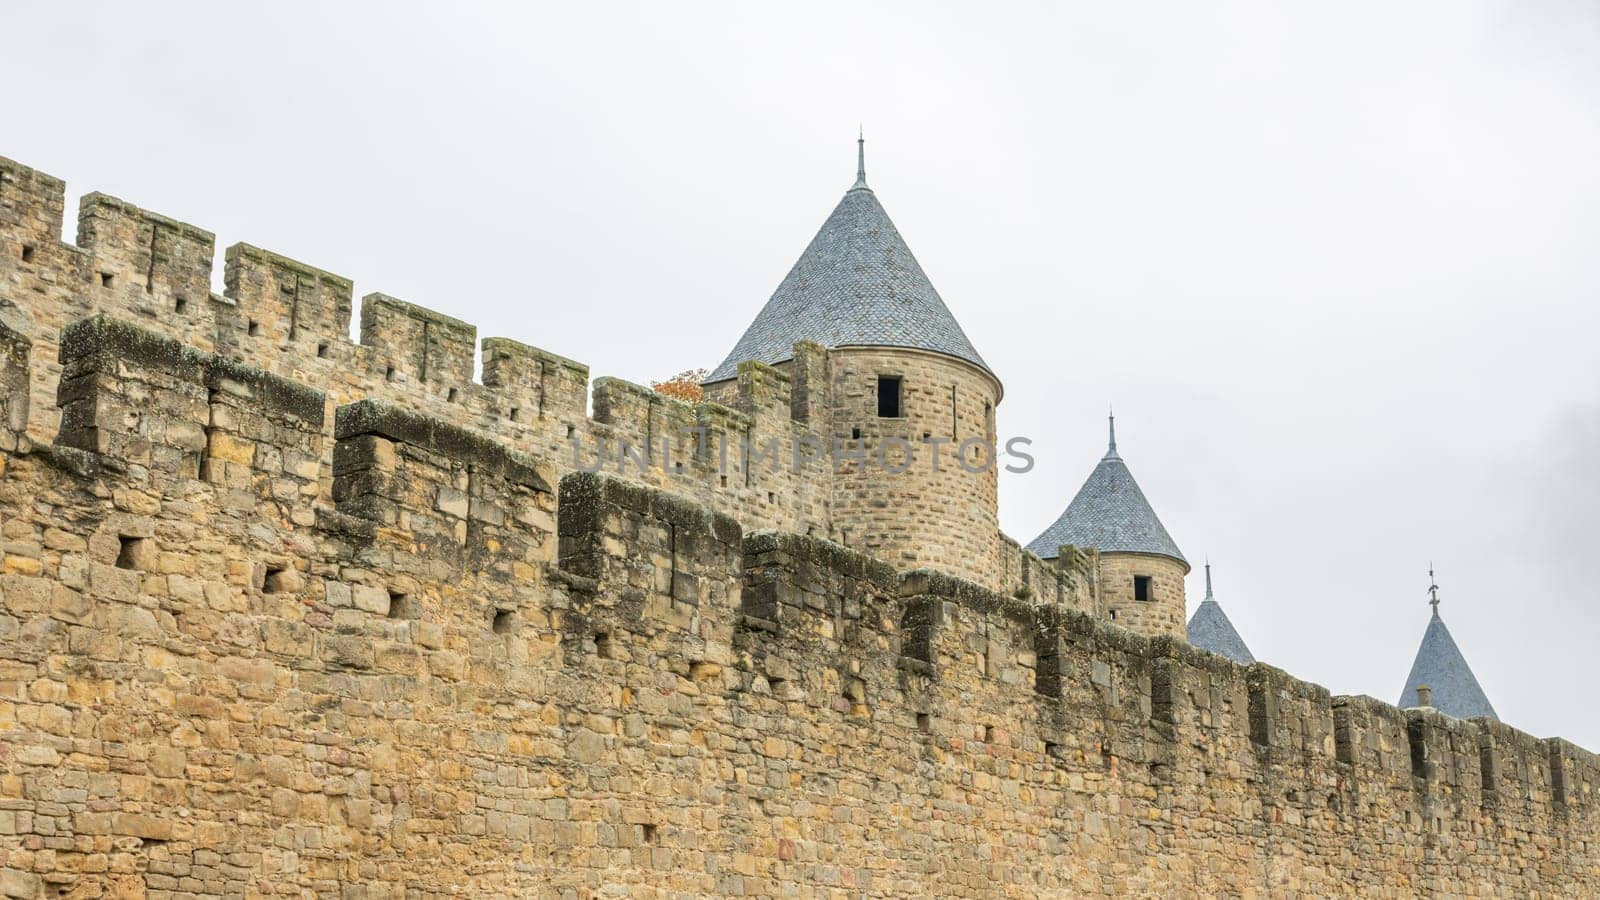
[
  {"x": 1111, "y": 448},
  {"x": 1210, "y": 629},
  {"x": 861, "y": 159},
  {"x": 1433, "y": 590}
]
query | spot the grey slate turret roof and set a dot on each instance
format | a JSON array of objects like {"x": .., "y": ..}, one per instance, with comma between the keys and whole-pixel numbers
[
  {"x": 856, "y": 284},
  {"x": 1210, "y": 629},
  {"x": 1440, "y": 666},
  {"x": 1110, "y": 514}
]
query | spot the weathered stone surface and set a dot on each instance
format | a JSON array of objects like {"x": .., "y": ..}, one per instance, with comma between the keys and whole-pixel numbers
[{"x": 250, "y": 648}]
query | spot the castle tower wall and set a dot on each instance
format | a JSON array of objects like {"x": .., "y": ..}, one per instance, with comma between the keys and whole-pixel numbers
[
  {"x": 1163, "y": 612},
  {"x": 936, "y": 508}
]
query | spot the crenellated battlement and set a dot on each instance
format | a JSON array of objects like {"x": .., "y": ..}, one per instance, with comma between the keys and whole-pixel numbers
[
  {"x": 282, "y": 611},
  {"x": 292, "y": 319}
]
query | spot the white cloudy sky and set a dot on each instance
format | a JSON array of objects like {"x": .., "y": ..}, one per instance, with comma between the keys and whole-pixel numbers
[{"x": 1334, "y": 263}]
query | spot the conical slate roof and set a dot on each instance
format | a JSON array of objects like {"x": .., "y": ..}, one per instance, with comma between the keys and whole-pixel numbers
[
  {"x": 856, "y": 284},
  {"x": 1209, "y": 629},
  {"x": 1440, "y": 666},
  {"x": 1110, "y": 514}
]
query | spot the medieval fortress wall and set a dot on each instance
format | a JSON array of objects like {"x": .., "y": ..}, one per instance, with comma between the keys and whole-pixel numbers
[{"x": 285, "y": 614}]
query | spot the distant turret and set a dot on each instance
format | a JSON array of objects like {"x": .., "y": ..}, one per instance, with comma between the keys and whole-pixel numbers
[
  {"x": 1210, "y": 629},
  {"x": 1141, "y": 568},
  {"x": 1440, "y": 676}
]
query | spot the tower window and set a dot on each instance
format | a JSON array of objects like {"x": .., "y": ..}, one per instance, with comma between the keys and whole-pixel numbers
[
  {"x": 1141, "y": 588},
  {"x": 888, "y": 396}
]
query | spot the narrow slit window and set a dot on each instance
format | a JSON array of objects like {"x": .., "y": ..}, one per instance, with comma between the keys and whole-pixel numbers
[
  {"x": 888, "y": 396},
  {"x": 955, "y": 431},
  {"x": 1141, "y": 588}
]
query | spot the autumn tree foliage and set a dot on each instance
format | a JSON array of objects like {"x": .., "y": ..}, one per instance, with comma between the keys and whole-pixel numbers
[{"x": 684, "y": 386}]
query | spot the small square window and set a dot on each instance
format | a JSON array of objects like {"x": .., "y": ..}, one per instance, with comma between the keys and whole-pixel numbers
[
  {"x": 888, "y": 396},
  {"x": 503, "y": 621},
  {"x": 322, "y": 351},
  {"x": 254, "y": 328},
  {"x": 404, "y": 606},
  {"x": 133, "y": 552},
  {"x": 276, "y": 581},
  {"x": 105, "y": 279},
  {"x": 1142, "y": 590},
  {"x": 27, "y": 253},
  {"x": 180, "y": 305}
]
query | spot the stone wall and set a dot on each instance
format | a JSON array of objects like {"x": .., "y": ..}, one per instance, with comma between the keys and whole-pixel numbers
[
  {"x": 14, "y": 364},
  {"x": 291, "y": 319},
  {"x": 454, "y": 675},
  {"x": 1071, "y": 580},
  {"x": 282, "y": 615},
  {"x": 1163, "y": 613}
]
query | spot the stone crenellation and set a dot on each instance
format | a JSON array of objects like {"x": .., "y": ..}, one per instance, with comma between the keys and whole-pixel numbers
[
  {"x": 287, "y": 614},
  {"x": 293, "y": 320}
]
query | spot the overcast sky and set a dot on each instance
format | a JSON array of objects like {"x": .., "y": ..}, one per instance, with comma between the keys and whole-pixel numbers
[{"x": 1334, "y": 263}]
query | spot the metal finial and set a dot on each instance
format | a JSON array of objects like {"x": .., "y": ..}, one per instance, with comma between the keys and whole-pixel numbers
[
  {"x": 1208, "y": 579},
  {"x": 861, "y": 158},
  {"x": 1433, "y": 590},
  {"x": 1111, "y": 449}
]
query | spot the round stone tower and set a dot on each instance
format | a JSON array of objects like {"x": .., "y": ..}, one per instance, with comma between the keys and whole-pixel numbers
[
  {"x": 1141, "y": 568},
  {"x": 892, "y": 386},
  {"x": 917, "y": 487}
]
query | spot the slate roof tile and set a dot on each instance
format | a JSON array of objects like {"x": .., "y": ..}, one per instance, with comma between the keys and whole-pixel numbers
[{"x": 856, "y": 284}]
